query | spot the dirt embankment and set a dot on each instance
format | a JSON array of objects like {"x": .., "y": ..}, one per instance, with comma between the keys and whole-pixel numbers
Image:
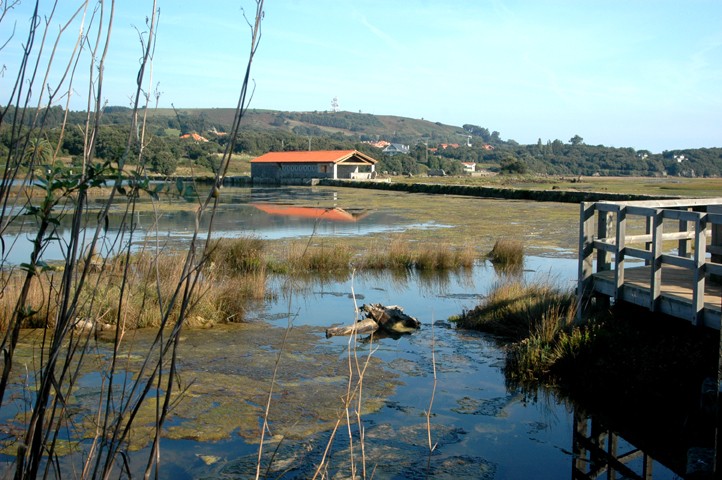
[{"x": 563, "y": 196}]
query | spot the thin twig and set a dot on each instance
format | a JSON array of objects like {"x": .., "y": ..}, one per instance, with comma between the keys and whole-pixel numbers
[{"x": 432, "y": 447}]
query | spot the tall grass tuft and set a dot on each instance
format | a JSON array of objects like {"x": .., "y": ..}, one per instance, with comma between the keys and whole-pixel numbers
[
  {"x": 539, "y": 318},
  {"x": 507, "y": 255},
  {"x": 300, "y": 258},
  {"x": 230, "y": 256},
  {"x": 533, "y": 359},
  {"x": 402, "y": 255},
  {"x": 516, "y": 309},
  {"x": 431, "y": 258},
  {"x": 137, "y": 297},
  {"x": 399, "y": 255},
  {"x": 325, "y": 259},
  {"x": 229, "y": 300}
]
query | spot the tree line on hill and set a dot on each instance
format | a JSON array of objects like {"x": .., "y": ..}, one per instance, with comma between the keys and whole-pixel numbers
[{"x": 431, "y": 151}]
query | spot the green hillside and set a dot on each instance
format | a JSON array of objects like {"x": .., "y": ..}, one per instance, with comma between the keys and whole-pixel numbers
[
  {"x": 357, "y": 125},
  {"x": 194, "y": 138}
]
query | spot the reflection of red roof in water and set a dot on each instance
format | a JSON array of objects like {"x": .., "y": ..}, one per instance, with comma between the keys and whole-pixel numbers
[{"x": 331, "y": 214}]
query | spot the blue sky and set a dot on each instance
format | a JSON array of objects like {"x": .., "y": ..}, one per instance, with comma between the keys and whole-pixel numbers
[{"x": 625, "y": 73}]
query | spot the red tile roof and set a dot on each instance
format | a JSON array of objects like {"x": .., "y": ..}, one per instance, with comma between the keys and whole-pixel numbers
[
  {"x": 194, "y": 136},
  {"x": 318, "y": 156}
]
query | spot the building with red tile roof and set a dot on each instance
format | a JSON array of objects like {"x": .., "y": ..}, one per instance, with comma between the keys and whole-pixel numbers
[
  {"x": 303, "y": 166},
  {"x": 379, "y": 144},
  {"x": 194, "y": 136}
]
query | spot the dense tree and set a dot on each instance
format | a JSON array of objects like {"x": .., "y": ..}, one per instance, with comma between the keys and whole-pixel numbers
[
  {"x": 513, "y": 165},
  {"x": 111, "y": 143},
  {"x": 477, "y": 131},
  {"x": 163, "y": 162},
  {"x": 390, "y": 164},
  {"x": 38, "y": 152}
]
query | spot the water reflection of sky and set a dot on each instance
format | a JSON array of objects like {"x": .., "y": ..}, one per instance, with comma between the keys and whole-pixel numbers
[
  {"x": 429, "y": 297},
  {"x": 295, "y": 213},
  {"x": 499, "y": 428}
]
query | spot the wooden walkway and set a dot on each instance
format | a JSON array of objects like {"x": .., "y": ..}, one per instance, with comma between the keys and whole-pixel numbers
[
  {"x": 679, "y": 243},
  {"x": 676, "y": 293},
  {"x": 677, "y": 269}
]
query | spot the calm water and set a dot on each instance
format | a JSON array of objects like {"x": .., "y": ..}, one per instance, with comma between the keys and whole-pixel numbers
[
  {"x": 296, "y": 213},
  {"x": 481, "y": 428}
]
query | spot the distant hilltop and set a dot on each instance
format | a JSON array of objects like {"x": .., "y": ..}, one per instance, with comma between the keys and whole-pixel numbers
[{"x": 361, "y": 126}]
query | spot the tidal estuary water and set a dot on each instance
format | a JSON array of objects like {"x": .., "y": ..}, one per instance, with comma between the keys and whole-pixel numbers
[{"x": 477, "y": 426}]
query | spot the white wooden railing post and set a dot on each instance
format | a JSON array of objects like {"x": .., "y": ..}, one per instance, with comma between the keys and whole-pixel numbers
[
  {"x": 604, "y": 230},
  {"x": 620, "y": 241},
  {"x": 648, "y": 230},
  {"x": 655, "y": 285},
  {"x": 683, "y": 244},
  {"x": 698, "y": 274}
]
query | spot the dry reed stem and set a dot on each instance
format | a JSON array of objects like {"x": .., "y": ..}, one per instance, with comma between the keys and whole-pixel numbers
[
  {"x": 267, "y": 408},
  {"x": 433, "y": 389},
  {"x": 352, "y": 392},
  {"x": 79, "y": 292}
]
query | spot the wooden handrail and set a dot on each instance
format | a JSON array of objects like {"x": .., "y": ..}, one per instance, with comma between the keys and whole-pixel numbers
[{"x": 603, "y": 227}]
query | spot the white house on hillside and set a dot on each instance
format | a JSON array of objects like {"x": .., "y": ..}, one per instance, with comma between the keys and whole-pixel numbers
[{"x": 396, "y": 148}]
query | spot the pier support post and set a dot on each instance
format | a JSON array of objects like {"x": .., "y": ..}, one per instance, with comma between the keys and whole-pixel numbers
[{"x": 718, "y": 430}]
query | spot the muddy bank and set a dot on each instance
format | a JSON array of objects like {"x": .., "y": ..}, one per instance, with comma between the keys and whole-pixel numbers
[{"x": 562, "y": 196}]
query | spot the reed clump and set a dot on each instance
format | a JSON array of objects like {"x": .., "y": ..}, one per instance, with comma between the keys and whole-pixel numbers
[
  {"x": 403, "y": 255},
  {"x": 539, "y": 318},
  {"x": 516, "y": 309},
  {"x": 37, "y": 305},
  {"x": 233, "y": 256},
  {"x": 299, "y": 258},
  {"x": 133, "y": 289},
  {"x": 396, "y": 255},
  {"x": 534, "y": 359},
  {"x": 507, "y": 254},
  {"x": 135, "y": 294},
  {"x": 233, "y": 298}
]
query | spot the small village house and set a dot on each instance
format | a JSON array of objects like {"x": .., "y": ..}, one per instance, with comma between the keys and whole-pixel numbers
[
  {"x": 396, "y": 148},
  {"x": 469, "y": 167},
  {"x": 300, "y": 167},
  {"x": 195, "y": 137}
]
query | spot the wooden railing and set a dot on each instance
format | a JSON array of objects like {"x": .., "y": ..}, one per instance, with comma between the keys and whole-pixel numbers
[{"x": 694, "y": 225}]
